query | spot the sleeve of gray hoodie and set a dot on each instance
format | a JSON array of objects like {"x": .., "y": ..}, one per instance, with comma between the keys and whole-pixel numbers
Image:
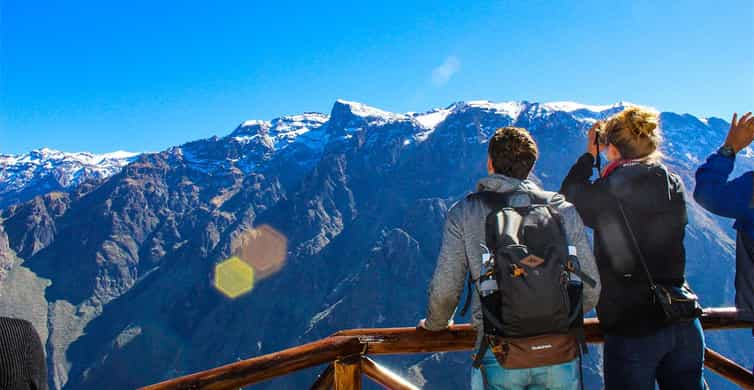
[
  {"x": 574, "y": 227},
  {"x": 447, "y": 282}
]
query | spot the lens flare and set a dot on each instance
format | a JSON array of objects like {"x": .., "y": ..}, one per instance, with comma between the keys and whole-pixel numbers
[
  {"x": 233, "y": 277},
  {"x": 263, "y": 248}
]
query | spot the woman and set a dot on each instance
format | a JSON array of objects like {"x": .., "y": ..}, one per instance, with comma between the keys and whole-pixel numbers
[{"x": 640, "y": 348}]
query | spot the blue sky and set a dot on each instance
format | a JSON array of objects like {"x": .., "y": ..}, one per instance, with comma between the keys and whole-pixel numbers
[{"x": 145, "y": 75}]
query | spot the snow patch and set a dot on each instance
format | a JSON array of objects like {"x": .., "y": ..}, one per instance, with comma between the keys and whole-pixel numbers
[
  {"x": 512, "y": 108},
  {"x": 570, "y": 107},
  {"x": 573, "y": 106},
  {"x": 245, "y": 139},
  {"x": 127, "y": 335},
  {"x": 322, "y": 315},
  {"x": 431, "y": 119},
  {"x": 255, "y": 122},
  {"x": 364, "y": 111},
  {"x": 421, "y": 137}
]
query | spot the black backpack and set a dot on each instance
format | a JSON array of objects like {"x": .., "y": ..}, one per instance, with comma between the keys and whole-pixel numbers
[{"x": 532, "y": 267}]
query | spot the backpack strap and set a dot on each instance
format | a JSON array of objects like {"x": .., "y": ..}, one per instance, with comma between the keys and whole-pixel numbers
[
  {"x": 480, "y": 354},
  {"x": 541, "y": 197},
  {"x": 573, "y": 265},
  {"x": 495, "y": 201}
]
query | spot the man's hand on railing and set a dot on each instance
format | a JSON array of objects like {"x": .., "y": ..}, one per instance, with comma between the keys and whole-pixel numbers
[{"x": 423, "y": 325}]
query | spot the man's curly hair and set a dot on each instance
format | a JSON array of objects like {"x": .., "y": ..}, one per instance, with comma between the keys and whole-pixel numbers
[{"x": 513, "y": 152}]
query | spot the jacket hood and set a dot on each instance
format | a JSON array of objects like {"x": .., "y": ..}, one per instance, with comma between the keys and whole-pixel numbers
[{"x": 502, "y": 183}]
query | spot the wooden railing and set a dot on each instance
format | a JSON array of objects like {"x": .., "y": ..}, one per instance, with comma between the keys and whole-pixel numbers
[{"x": 346, "y": 355}]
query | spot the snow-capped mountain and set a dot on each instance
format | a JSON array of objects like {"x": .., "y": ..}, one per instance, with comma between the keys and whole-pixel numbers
[
  {"x": 46, "y": 170},
  {"x": 360, "y": 194},
  {"x": 255, "y": 141}
]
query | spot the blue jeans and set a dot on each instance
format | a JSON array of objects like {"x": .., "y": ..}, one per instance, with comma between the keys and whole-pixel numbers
[
  {"x": 674, "y": 356},
  {"x": 558, "y": 377}
]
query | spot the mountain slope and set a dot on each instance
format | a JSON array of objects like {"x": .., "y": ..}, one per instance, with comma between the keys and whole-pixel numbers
[{"x": 360, "y": 195}]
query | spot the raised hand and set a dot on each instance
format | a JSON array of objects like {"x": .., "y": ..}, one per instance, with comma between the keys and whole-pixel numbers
[
  {"x": 591, "y": 147},
  {"x": 741, "y": 133}
]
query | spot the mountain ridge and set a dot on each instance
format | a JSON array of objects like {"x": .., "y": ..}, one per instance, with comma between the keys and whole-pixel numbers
[{"x": 24, "y": 176}]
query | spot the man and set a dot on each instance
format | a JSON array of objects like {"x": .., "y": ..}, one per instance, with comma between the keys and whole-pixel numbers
[
  {"x": 733, "y": 199},
  {"x": 511, "y": 156},
  {"x": 22, "y": 360}
]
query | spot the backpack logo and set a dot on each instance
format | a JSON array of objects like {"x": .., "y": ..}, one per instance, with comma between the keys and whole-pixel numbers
[{"x": 532, "y": 261}]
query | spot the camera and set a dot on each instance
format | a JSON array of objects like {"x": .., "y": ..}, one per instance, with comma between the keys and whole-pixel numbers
[{"x": 600, "y": 135}]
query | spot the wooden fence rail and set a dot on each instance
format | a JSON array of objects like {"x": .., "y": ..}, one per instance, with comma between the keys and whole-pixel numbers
[
  {"x": 728, "y": 369},
  {"x": 347, "y": 351}
]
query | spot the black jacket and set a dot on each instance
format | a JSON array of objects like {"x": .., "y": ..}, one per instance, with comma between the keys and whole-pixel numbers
[{"x": 653, "y": 200}]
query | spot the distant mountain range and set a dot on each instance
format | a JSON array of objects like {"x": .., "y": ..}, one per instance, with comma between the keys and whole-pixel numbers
[
  {"x": 22, "y": 177},
  {"x": 116, "y": 272}
]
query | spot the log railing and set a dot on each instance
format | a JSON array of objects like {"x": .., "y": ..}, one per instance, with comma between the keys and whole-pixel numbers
[{"x": 346, "y": 355}]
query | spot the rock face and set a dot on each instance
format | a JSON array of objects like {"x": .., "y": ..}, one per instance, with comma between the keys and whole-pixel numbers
[
  {"x": 360, "y": 195},
  {"x": 7, "y": 257}
]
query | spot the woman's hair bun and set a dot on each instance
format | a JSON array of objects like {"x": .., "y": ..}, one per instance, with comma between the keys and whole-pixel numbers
[
  {"x": 634, "y": 131},
  {"x": 641, "y": 122}
]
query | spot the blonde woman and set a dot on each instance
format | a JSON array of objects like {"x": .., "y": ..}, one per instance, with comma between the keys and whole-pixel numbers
[{"x": 640, "y": 346}]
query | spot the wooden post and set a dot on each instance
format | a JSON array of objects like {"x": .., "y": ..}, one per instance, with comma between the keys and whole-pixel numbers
[
  {"x": 348, "y": 373},
  {"x": 385, "y": 377},
  {"x": 325, "y": 379},
  {"x": 728, "y": 369}
]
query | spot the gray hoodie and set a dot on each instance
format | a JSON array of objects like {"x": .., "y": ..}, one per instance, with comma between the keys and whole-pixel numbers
[{"x": 461, "y": 252}]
